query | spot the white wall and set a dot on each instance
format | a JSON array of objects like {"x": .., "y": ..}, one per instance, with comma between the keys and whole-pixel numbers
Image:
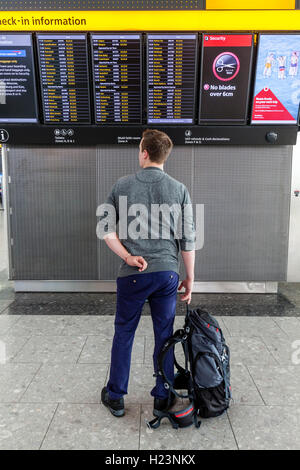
[{"x": 293, "y": 274}]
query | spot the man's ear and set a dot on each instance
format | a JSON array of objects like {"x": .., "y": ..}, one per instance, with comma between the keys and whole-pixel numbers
[{"x": 145, "y": 155}]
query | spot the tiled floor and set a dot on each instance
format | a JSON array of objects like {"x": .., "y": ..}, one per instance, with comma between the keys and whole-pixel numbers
[{"x": 53, "y": 368}]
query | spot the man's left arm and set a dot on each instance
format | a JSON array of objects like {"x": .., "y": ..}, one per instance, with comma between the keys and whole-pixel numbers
[
  {"x": 187, "y": 245},
  {"x": 111, "y": 237}
]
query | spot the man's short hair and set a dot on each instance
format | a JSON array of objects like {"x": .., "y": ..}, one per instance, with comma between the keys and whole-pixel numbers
[{"x": 158, "y": 145}]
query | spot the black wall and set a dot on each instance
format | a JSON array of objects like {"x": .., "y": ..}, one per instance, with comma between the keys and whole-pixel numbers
[{"x": 102, "y": 5}]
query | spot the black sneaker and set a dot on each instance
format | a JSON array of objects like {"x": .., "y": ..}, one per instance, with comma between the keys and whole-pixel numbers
[
  {"x": 116, "y": 407},
  {"x": 161, "y": 404}
]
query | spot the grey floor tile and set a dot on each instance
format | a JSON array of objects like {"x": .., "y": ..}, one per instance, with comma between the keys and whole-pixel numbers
[
  {"x": 244, "y": 390},
  {"x": 89, "y": 325},
  {"x": 23, "y": 426},
  {"x": 92, "y": 427},
  {"x": 266, "y": 427},
  {"x": 39, "y": 325},
  {"x": 178, "y": 322},
  {"x": 7, "y": 322},
  {"x": 10, "y": 346},
  {"x": 278, "y": 385},
  {"x": 145, "y": 326},
  {"x": 14, "y": 380},
  {"x": 252, "y": 326},
  {"x": 249, "y": 350},
  {"x": 290, "y": 325},
  {"x": 58, "y": 349},
  {"x": 141, "y": 382},
  {"x": 285, "y": 349},
  {"x": 72, "y": 383},
  {"x": 149, "y": 347},
  {"x": 98, "y": 350},
  {"x": 213, "y": 434},
  {"x": 4, "y": 304},
  {"x": 273, "y": 376}
]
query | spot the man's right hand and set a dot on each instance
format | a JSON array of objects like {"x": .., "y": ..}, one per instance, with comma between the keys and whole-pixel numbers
[
  {"x": 188, "y": 285},
  {"x": 138, "y": 261}
]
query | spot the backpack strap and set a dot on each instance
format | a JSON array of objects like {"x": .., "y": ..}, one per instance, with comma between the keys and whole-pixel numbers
[
  {"x": 178, "y": 337},
  {"x": 155, "y": 423},
  {"x": 178, "y": 419}
]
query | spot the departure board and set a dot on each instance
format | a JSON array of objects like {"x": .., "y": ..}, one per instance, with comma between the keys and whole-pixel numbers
[
  {"x": 171, "y": 68},
  {"x": 17, "y": 84},
  {"x": 117, "y": 78},
  {"x": 64, "y": 78}
]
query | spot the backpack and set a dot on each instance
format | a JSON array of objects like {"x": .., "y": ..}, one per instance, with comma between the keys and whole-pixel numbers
[{"x": 206, "y": 375}]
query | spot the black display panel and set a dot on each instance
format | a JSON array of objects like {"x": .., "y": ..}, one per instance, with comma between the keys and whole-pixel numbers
[
  {"x": 64, "y": 78},
  {"x": 17, "y": 83},
  {"x": 117, "y": 67},
  {"x": 225, "y": 78},
  {"x": 171, "y": 78}
]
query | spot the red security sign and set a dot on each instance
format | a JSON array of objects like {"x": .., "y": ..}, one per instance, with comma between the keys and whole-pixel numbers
[{"x": 225, "y": 77}]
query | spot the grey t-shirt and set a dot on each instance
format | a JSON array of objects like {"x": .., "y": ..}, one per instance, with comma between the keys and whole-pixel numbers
[{"x": 155, "y": 219}]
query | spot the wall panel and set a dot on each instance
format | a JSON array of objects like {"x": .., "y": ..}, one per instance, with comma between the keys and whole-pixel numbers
[{"x": 54, "y": 193}]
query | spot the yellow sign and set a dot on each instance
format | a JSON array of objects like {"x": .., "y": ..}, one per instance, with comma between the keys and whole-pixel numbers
[{"x": 196, "y": 20}]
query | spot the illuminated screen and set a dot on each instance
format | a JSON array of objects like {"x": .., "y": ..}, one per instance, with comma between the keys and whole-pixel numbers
[
  {"x": 117, "y": 77},
  {"x": 171, "y": 64},
  {"x": 225, "y": 78},
  {"x": 276, "y": 89},
  {"x": 17, "y": 84},
  {"x": 64, "y": 78}
]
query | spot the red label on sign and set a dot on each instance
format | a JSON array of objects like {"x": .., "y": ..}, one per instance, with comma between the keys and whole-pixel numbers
[
  {"x": 267, "y": 107},
  {"x": 220, "y": 40}
]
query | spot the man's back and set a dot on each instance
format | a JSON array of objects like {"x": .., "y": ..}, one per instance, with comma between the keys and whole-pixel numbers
[{"x": 150, "y": 205}]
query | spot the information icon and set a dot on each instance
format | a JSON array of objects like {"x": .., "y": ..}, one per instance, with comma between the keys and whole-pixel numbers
[{"x": 4, "y": 135}]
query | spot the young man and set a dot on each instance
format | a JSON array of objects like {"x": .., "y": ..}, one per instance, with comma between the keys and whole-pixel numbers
[{"x": 150, "y": 262}]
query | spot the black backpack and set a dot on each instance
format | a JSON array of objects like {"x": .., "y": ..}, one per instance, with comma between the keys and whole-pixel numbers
[{"x": 206, "y": 375}]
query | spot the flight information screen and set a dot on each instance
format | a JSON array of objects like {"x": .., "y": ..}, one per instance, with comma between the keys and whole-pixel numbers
[
  {"x": 64, "y": 78},
  {"x": 117, "y": 77},
  {"x": 17, "y": 84},
  {"x": 171, "y": 68}
]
